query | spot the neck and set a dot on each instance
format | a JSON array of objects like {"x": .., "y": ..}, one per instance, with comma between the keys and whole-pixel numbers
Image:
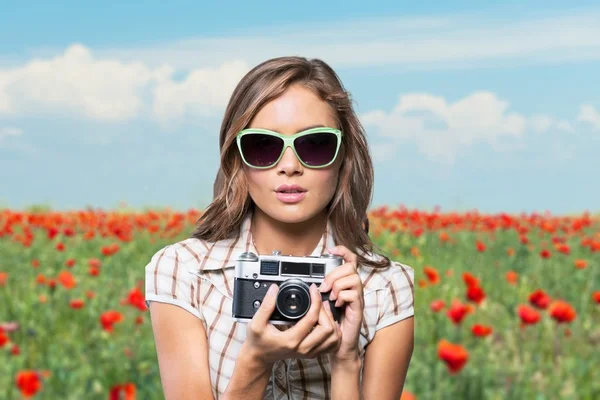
[{"x": 295, "y": 238}]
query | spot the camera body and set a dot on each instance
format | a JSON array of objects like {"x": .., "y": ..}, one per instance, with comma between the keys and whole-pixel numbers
[{"x": 294, "y": 275}]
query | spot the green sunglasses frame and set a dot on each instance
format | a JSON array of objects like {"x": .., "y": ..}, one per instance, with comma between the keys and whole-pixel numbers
[{"x": 288, "y": 141}]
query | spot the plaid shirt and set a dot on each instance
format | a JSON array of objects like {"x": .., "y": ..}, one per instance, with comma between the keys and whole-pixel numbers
[{"x": 198, "y": 277}]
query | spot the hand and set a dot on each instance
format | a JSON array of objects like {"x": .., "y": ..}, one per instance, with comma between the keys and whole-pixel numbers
[
  {"x": 314, "y": 334},
  {"x": 346, "y": 288}
]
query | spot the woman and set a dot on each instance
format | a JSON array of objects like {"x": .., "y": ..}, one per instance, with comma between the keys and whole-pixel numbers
[{"x": 202, "y": 352}]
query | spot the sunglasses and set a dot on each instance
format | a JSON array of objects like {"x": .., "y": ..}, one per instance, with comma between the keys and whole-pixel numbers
[{"x": 315, "y": 147}]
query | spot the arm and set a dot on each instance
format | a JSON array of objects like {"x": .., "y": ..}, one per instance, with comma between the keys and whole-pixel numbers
[
  {"x": 386, "y": 360},
  {"x": 182, "y": 352},
  {"x": 250, "y": 377},
  {"x": 345, "y": 380}
]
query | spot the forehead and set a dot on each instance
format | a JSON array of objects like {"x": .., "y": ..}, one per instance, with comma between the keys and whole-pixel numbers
[{"x": 296, "y": 109}]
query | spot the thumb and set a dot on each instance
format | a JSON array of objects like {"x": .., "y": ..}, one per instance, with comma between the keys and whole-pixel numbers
[{"x": 267, "y": 306}]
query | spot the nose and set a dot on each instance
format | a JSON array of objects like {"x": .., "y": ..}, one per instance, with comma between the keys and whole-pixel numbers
[{"x": 289, "y": 163}]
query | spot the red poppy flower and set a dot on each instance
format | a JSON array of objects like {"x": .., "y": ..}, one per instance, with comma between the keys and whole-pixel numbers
[
  {"x": 475, "y": 294},
  {"x": 432, "y": 275},
  {"x": 136, "y": 298},
  {"x": 528, "y": 314},
  {"x": 109, "y": 318},
  {"x": 481, "y": 330},
  {"x": 562, "y": 312},
  {"x": 437, "y": 305},
  {"x": 454, "y": 355},
  {"x": 545, "y": 253},
  {"x": 67, "y": 279},
  {"x": 563, "y": 248},
  {"x": 122, "y": 392},
  {"x": 28, "y": 382},
  {"x": 540, "y": 299},
  {"x": 470, "y": 279},
  {"x": 458, "y": 311},
  {"x": 76, "y": 303},
  {"x": 512, "y": 277},
  {"x": 94, "y": 262},
  {"x": 480, "y": 246},
  {"x": 3, "y": 278}
]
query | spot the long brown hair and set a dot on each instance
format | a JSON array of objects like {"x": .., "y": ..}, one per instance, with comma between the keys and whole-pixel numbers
[{"x": 348, "y": 207}]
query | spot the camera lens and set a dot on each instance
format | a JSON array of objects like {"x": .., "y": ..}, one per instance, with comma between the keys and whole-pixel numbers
[{"x": 293, "y": 298}]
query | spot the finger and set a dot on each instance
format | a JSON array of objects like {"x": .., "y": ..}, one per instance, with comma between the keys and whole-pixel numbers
[
  {"x": 343, "y": 251},
  {"x": 347, "y": 282},
  {"x": 331, "y": 344},
  {"x": 335, "y": 323},
  {"x": 351, "y": 298},
  {"x": 308, "y": 321},
  {"x": 324, "y": 329},
  {"x": 337, "y": 273},
  {"x": 262, "y": 315}
]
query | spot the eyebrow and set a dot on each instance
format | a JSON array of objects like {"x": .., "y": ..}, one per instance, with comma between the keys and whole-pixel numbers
[
  {"x": 310, "y": 127},
  {"x": 301, "y": 130}
]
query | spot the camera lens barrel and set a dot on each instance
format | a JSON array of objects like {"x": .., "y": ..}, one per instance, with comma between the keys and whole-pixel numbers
[{"x": 293, "y": 298}]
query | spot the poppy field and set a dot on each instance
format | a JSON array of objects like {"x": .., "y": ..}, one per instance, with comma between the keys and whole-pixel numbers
[{"x": 506, "y": 306}]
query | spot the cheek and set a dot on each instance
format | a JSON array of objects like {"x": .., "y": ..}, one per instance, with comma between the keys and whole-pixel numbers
[
  {"x": 257, "y": 180},
  {"x": 326, "y": 182}
]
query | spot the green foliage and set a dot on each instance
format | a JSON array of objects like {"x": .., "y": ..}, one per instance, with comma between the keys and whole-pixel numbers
[{"x": 85, "y": 361}]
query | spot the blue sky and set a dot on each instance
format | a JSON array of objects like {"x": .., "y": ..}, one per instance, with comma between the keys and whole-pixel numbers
[{"x": 494, "y": 107}]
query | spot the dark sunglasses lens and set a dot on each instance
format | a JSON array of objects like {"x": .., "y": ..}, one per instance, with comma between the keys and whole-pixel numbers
[
  {"x": 261, "y": 150},
  {"x": 316, "y": 149}
]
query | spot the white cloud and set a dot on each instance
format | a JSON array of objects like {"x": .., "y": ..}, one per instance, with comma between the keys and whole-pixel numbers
[
  {"x": 78, "y": 84},
  {"x": 437, "y": 42},
  {"x": 10, "y": 131},
  {"x": 544, "y": 123},
  {"x": 564, "y": 125},
  {"x": 75, "y": 82},
  {"x": 203, "y": 92},
  {"x": 441, "y": 129},
  {"x": 589, "y": 114}
]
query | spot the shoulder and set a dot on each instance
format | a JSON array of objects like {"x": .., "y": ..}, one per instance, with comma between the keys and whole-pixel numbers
[
  {"x": 396, "y": 274},
  {"x": 184, "y": 253},
  {"x": 199, "y": 256},
  {"x": 388, "y": 296}
]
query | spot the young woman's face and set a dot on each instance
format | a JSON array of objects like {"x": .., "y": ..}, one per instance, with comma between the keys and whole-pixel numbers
[{"x": 296, "y": 109}]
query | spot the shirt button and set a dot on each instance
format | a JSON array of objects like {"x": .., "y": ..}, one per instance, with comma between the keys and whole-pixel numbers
[{"x": 280, "y": 374}]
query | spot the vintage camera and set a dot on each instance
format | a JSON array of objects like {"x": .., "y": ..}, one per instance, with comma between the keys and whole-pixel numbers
[{"x": 294, "y": 275}]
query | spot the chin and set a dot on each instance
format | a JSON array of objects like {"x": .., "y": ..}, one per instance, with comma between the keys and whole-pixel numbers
[{"x": 291, "y": 213}]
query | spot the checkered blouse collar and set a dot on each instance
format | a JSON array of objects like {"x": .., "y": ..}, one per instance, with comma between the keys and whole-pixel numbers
[{"x": 244, "y": 242}]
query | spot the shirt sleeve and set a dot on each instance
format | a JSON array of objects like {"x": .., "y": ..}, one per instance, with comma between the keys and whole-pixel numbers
[
  {"x": 397, "y": 300},
  {"x": 168, "y": 281}
]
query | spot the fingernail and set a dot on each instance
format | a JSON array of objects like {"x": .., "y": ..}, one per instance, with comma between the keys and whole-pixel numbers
[
  {"x": 324, "y": 287},
  {"x": 272, "y": 289},
  {"x": 313, "y": 287}
]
